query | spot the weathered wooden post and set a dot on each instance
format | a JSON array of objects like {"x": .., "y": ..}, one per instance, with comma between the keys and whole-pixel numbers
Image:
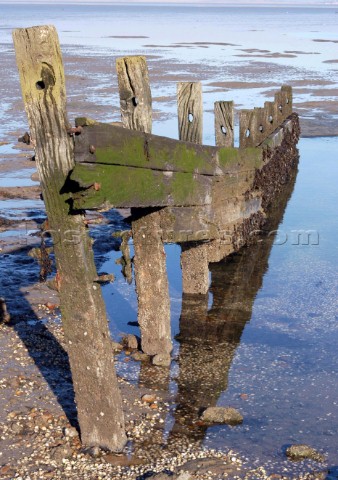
[
  {"x": 150, "y": 260},
  {"x": 84, "y": 318},
  {"x": 194, "y": 259},
  {"x": 135, "y": 93},
  {"x": 224, "y": 124},
  {"x": 190, "y": 112}
]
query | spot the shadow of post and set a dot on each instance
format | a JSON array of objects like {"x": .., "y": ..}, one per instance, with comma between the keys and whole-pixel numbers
[{"x": 18, "y": 272}]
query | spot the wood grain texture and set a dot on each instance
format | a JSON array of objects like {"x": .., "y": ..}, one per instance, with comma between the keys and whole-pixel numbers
[
  {"x": 190, "y": 112},
  {"x": 224, "y": 124},
  {"x": 87, "y": 337},
  {"x": 135, "y": 93}
]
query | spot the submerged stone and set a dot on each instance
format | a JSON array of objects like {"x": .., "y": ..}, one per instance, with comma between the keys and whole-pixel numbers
[
  {"x": 227, "y": 415},
  {"x": 301, "y": 452}
]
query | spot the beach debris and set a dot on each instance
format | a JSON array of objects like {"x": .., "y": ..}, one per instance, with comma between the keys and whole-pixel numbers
[
  {"x": 105, "y": 278},
  {"x": 302, "y": 451},
  {"x": 130, "y": 341},
  {"x": 26, "y": 138},
  {"x": 140, "y": 356},
  {"x": 125, "y": 261},
  {"x": 4, "y": 315},
  {"x": 226, "y": 415},
  {"x": 74, "y": 131}
]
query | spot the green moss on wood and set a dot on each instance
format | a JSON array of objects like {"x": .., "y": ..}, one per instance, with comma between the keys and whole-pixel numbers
[
  {"x": 240, "y": 159},
  {"x": 119, "y": 186}
]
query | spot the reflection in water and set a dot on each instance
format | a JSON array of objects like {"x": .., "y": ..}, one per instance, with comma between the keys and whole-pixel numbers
[{"x": 209, "y": 338}]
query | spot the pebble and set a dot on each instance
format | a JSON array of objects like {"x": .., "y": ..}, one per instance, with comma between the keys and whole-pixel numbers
[
  {"x": 148, "y": 398},
  {"x": 130, "y": 341},
  {"x": 162, "y": 360}
]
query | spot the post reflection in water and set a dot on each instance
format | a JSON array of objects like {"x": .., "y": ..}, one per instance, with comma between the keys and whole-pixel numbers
[{"x": 209, "y": 337}]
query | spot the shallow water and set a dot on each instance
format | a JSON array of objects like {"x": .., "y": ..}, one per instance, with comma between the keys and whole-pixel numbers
[{"x": 18, "y": 178}]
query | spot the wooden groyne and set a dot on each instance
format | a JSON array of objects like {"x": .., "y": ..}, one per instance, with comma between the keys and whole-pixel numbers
[{"x": 209, "y": 199}]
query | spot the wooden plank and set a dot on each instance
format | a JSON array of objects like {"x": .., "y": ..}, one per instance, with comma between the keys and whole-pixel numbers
[
  {"x": 190, "y": 111},
  {"x": 113, "y": 186},
  {"x": 85, "y": 324},
  {"x": 135, "y": 94},
  {"x": 114, "y": 145},
  {"x": 224, "y": 124}
]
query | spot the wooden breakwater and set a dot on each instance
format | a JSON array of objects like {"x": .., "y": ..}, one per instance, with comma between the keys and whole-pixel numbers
[{"x": 211, "y": 200}]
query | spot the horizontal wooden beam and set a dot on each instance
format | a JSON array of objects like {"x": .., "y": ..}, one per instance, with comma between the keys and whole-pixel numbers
[
  {"x": 113, "y": 145},
  {"x": 109, "y": 144},
  {"x": 115, "y": 186}
]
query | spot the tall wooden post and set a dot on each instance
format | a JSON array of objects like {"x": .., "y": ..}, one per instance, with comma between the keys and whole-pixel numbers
[
  {"x": 150, "y": 260},
  {"x": 194, "y": 259},
  {"x": 224, "y": 124},
  {"x": 190, "y": 112},
  {"x": 135, "y": 93},
  {"x": 84, "y": 319}
]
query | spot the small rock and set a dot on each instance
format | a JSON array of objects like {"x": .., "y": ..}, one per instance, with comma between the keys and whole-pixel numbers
[
  {"x": 162, "y": 360},
  {"x": 51, "y": 306},
  {"x": 105, "y": 278},
  {"x": 301, "y": 452},
  {"x": 60, "y": 452},
  {"x": 140, "y": 357},
  {"x": 162, "y": 476},
  {"x": 94, "y": 452},
  {"x": 6, "y": 470},
  {"x": 117, "y": 347},
  {"x": 182, "y": 476},
  {"x": 16, "y": 428},
  {"x": 227, "y": 415},
  {"x": 4, "y": 315},
  {"x": 201, "y": 466},
  {"x": 148, "y": 398},
  {"x": 71, "y": 432},
  {"x": 166, "y": 476},
  {"x": 130, "y": 341}
]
